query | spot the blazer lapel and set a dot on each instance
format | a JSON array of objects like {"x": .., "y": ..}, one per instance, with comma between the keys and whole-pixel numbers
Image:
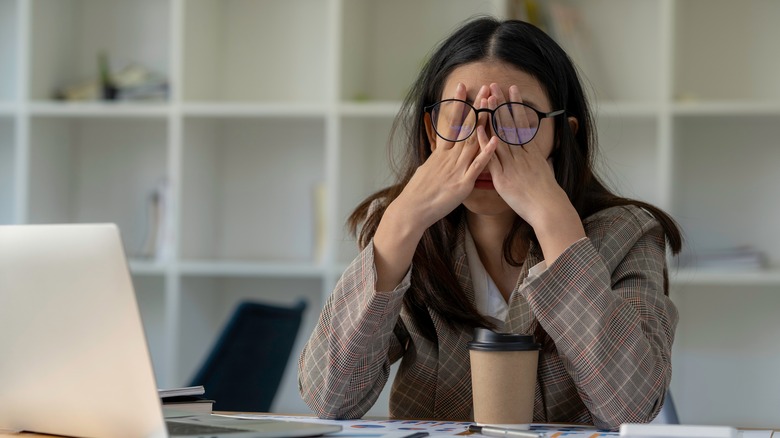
[
  {"x": 453, "y": 389},
  {"x": 520, "y": 318}
]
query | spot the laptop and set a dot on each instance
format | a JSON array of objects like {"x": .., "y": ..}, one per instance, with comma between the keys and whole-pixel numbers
[{"x": 74, "y": 355}]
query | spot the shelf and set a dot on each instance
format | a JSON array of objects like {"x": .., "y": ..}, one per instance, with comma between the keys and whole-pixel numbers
[
  {"x": 9, "y": 44},
  {"x": 274, "y": 50},
  {"x": 100, "y": 109},
  {"x": 626, "y": 109},
  {"x": 708, "y": 277},
  {"x": 8, "y": 170},
  {"x": 250, "y": 174},
  {"x": 369, "y": 109},
  {"x": 281, "y": 109},
  {"x": 7, "y": 109},
  {"x": 216, "y": 268},
  {"x": 364, "y": 151},
  {"x": 96, "y": 170},
  {"x": 611, "y": 47},
  {"x": 727, "y": 108},
  {"x": 273, "y": 101},
  {"x": 723, "y": 50},
  {"x": 68, "y": 35},
  {"x": 147, "y": 267},
  {"x": 381, "y": 56},
  {"x": 726, "y": 178},
  {"x": 150, "y": 293},
  {"x": 628, "y": 159}
]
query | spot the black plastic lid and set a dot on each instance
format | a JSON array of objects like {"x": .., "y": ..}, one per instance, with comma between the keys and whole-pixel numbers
[{"x": 488, "y": 340}]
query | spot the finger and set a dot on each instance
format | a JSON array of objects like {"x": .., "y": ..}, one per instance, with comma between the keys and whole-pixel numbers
[
  {"x": 522, "y": 118},
  {"x": 470, "y": 116},
  {"x": 509, "y": 124},
  {"x": 485, "y": 158},
  {"x": 494, "y": 164},
  {"x": 464, "y": 113},
  {"x": 453, "y": 122},
  {"x": 504, "y": 124},
  {"x": 501, "y": 152},
  {"x": 460, "y": 91},
  {"x": 533, "y": 155},
  {"x": 534, "y": 151},
  {"x": 480, "y": 102},
  {"x": 496, "y": 92}
]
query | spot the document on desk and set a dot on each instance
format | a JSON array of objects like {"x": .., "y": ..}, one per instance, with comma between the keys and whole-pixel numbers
[
  {"x": 436, "y": 429},
  {"x": 377, "y": 428},
  {"x": 641, "y": 430}
]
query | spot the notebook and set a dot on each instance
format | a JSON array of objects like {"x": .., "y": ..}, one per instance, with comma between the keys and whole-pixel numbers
[{"x": 74, "y": 355}]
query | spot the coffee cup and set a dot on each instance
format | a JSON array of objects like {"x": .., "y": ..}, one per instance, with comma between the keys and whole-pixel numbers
[{"x": 503, "y": 376}]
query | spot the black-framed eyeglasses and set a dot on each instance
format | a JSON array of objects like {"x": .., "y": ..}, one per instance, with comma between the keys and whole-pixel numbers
[{"x": 514, "y": 123}]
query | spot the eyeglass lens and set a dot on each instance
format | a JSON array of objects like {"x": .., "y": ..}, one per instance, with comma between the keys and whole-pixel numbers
[{"x": 513, "y": 123}]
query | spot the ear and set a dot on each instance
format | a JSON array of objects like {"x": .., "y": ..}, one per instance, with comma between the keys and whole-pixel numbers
[
  {"x": 573, "y": 124},
  {"x": 430, "y": 131}
]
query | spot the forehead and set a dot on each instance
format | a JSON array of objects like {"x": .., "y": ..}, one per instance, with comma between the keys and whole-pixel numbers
[{"x": 476, "y": 74}]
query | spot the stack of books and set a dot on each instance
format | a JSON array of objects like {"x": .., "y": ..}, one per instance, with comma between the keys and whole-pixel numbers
[{"x": 189, "y": 399}]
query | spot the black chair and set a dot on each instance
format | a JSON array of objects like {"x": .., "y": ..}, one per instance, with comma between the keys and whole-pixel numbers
[{"x": 245, "y": 367}]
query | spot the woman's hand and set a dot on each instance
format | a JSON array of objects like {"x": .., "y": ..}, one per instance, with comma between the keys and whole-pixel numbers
[
  {"x": 447, "y": 177},
  {"x": 437, "y": 187},
  {"x": 524, "y": 178},
  {"x": 522, "y": 175}
]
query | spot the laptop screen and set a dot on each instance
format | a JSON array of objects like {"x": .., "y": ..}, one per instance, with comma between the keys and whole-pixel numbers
[{"x": 75, "y": 360}]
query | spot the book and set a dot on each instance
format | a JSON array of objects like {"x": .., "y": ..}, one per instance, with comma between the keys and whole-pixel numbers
[
  {"x": 187, "y": 403},
  {"x": 188, "y": 398},
  {"x": 183, "y": 391}
]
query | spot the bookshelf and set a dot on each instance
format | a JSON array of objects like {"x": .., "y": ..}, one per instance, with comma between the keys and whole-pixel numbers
[{"x": 273, "y": 100}]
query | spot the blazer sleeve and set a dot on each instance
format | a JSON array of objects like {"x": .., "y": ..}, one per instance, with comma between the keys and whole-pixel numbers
[
  {"x": 603, "y": 304},
  {"x": 346, "y": 362}
]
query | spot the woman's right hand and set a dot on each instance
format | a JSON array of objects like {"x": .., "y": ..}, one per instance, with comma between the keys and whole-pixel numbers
[
  {"x": 447, "y": 177},
  {"x": 438, "y": 186}
]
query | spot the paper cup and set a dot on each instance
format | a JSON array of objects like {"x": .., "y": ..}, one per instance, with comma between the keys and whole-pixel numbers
[{"x": 503, "y": 376}]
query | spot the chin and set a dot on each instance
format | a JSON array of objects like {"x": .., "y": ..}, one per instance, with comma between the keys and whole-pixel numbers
[{"x": 489, "y": 203}]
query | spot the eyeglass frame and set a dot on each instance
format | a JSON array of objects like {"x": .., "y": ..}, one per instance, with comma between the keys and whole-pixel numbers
[{"x": 541, "y": 115}]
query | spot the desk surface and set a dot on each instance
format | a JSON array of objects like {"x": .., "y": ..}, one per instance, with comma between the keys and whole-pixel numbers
[{"x": 392, "y": 427}]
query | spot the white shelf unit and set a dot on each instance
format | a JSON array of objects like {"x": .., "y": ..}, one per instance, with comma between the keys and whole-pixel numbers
[{"x": 272, "y": 101}]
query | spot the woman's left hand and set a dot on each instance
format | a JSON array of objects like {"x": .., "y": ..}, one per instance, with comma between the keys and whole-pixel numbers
[
  {"x": 524, "y": 178},
  {"x": 522, "y": 175}
]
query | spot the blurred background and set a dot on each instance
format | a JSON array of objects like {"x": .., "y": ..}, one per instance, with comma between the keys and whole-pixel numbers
[{"x": 230, "y": 139}]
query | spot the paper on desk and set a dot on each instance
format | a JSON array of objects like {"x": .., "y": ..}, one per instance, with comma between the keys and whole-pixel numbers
[
  {"x": 401, "y": 428},
  {"x": 375, "y": 428},
  {"x": 755, "y": 433}
]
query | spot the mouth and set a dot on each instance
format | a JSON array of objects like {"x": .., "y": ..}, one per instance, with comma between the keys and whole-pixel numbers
[{"x": 484, "y": 182}]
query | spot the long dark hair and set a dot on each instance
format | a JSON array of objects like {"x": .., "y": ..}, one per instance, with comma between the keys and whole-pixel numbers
[{"x": 530, "y": 50}]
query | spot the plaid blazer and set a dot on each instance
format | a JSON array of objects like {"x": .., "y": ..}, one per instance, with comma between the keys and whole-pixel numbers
[{"x": 599, "y": 310}]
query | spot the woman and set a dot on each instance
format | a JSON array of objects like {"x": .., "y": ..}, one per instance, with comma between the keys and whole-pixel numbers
[{"x": 497, "y": 220}]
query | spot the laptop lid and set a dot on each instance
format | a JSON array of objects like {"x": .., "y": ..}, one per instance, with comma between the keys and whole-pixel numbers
[
  {"x": 75, "y": 360},
  {"x": 75, "y": 356}
]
